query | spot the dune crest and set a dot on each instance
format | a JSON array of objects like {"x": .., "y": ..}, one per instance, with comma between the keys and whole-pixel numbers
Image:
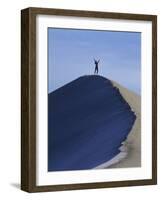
[
  {"x": 133, "y": 141},
  {"x": 131, "y": 147}
]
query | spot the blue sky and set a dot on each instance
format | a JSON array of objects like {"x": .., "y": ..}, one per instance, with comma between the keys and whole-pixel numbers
[{"x": 71, "y": 53}]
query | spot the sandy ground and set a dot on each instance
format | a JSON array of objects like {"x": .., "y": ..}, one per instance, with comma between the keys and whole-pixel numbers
[
  {"x": 130, "y": 155},
  {"x": 133, "y": 142}
]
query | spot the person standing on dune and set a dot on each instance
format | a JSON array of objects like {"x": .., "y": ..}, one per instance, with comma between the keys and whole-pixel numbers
[{"x": 96, "y": 66}]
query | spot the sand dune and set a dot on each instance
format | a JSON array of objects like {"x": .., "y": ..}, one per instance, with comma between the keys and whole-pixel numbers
[
  {"x": 88, "y": 119},
  {"x": 133, "y": 142}
]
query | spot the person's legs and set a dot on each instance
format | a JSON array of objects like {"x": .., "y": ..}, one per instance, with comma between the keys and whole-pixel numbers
[{"x": 97, "y": 70}]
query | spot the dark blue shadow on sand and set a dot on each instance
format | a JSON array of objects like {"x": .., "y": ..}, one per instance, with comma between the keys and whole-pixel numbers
[{"x": 88, "y": 119}]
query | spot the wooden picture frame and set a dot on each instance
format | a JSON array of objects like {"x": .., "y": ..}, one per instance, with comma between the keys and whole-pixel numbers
[{"x": 28, "y": 98}]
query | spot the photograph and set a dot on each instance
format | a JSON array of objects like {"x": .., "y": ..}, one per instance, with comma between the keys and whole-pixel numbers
[
  {"x": 94, "y": 99},
  {"x": 89, "y": 99}
]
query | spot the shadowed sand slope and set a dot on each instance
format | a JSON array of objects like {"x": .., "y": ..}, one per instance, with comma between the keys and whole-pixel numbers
[
  {"x": 133, "y": 142},
  {"x": 88, "y": 119}
]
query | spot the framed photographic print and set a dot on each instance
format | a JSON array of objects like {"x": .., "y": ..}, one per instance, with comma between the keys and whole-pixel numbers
[{"x": 89, "y": 99}]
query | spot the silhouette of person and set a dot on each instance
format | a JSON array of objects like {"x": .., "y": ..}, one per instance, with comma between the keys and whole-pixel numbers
[{"x": 96, "y": 66}]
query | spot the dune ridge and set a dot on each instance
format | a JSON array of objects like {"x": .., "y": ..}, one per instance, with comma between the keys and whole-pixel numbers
[
  {"x": 130, "y": 155},
  {"x": 133, "y": 142}
]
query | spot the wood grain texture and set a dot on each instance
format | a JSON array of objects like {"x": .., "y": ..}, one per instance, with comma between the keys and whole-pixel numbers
[
  {"x": 28, "y": 98},
  {"x": 25, "y": 100},
  {"x": 154, "y": 99}
]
